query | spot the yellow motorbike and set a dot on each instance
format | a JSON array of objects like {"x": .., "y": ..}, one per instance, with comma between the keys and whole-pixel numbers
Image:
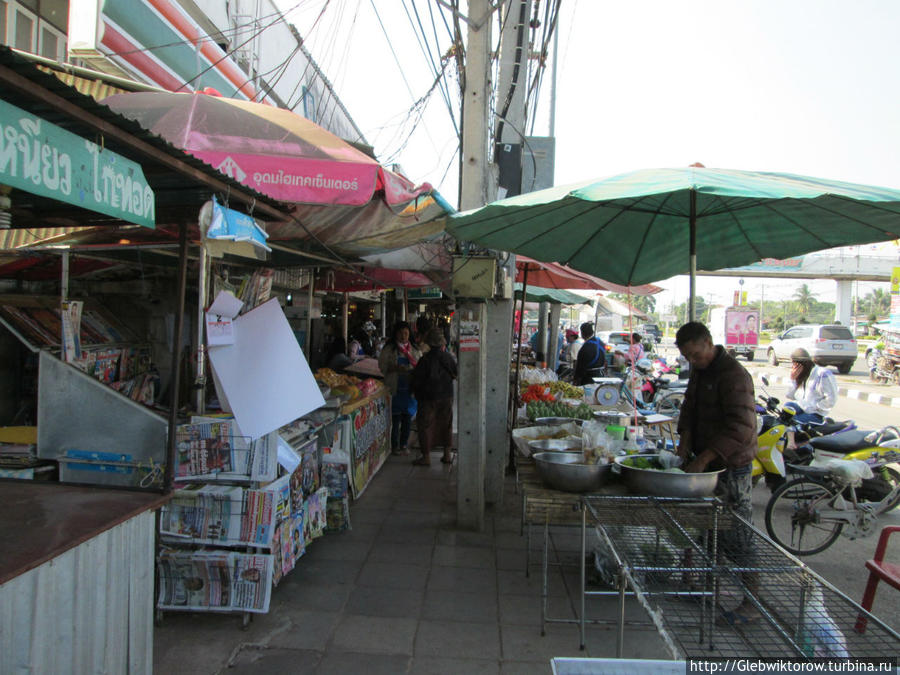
[{"x": 771, "y": 442}]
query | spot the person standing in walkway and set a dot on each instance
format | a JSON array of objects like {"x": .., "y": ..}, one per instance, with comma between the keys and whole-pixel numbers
[
  {"x": 591, "y": 355},
  {"x": 635, "y": 349},
  {"x": 717, "y": 430},
  {"x": 397, "y": 360},
  {"x": 432, "y": 384}
]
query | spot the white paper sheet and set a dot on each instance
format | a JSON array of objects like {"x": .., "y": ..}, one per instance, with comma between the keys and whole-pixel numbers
[
  {"x": 219, "y": 330},
  {"x": 225, "y": 305},
  {"x": 264, "y": 374}
]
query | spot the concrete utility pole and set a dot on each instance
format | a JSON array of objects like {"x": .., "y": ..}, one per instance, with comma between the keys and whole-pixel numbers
[
  {"x": 484, "y": 373},
  {"x": 512, "y": 81},
  {"x": 474, "y": 182}
]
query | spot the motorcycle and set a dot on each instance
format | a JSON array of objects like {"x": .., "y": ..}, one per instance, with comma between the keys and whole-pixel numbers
[
  {"x": 866, "y": 445},
  {"x": 884, "y": 367},
  {"x": 651, "y": 383},
  {"x": 773, "y": 447},
  {"x": 771, "y": 443}
]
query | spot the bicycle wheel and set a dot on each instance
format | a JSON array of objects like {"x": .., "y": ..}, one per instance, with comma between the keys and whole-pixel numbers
[
  {"x": 792, "y": 517},
  {"x": 670, "y": 404}
]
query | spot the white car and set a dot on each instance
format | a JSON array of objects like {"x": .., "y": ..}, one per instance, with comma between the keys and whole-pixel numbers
[{"x": 828, "y": 345}]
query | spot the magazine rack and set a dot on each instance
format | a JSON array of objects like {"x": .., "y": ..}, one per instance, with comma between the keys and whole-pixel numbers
[{"x": 234, "y": 528}]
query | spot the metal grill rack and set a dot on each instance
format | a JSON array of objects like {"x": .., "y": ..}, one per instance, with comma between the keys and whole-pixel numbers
[{"x": 670, "y": 554}]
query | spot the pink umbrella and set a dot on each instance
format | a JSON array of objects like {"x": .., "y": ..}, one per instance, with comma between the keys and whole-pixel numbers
[{"x": 272, "y": 150}]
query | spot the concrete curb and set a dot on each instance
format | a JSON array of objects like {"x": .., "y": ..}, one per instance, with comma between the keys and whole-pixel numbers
[{"x": 871, "y": 397}]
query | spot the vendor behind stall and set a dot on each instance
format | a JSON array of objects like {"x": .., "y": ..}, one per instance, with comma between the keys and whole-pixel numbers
[
  {"x": 717, "y": 429},
  {"x": 337, "y": 358},
  {"x": 591, "y": 356}
]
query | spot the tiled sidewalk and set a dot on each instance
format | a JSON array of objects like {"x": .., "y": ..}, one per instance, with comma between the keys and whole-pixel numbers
[{"x": 405, "y": 591}]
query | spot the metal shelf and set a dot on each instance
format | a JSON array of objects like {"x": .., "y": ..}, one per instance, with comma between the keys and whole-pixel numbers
[{"x": 670, "y": 554}]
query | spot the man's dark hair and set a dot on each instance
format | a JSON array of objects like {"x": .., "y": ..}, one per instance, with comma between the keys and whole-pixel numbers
[
  {"x": 587, "y": 330},
  {"x": 691, "y": 331}
]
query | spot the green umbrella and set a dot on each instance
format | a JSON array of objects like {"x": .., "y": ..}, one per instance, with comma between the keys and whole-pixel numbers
[
  {"x": 552, "y": 295},
  {"x": 652, "y": 224}
]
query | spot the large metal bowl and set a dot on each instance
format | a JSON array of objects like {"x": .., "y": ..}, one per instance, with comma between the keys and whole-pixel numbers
[
  {"x": 557, "y": 421},
  {"x": 555, "y": 445},
  {"x": 664, "y": 483},
  {"x": 567, "y": 471}
]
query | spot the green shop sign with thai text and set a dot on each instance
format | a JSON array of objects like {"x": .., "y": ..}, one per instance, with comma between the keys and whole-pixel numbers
[{"x": 41, "y": 158}]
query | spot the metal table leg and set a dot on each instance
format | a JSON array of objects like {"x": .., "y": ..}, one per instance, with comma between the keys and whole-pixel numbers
[
  {"x": 581, "y": 616},
  {"x": 544, "y": 572}
]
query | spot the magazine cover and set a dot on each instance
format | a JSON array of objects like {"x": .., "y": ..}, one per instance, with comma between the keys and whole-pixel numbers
[
  {"x": 309, "y": 467},
  {"x": 205, "y": 449},
  {"x": 258, "y": 522},
  {"x": 316, "y": 513},
  {"x": 281, "y": 489},
  {"x": 277, "y": 571},
  {"x": 288, "y": 560},
  {"x": 298, "y": 542}
]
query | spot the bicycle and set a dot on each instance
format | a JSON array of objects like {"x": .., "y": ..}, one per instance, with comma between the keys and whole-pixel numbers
[{"x": 806, "y": 515}]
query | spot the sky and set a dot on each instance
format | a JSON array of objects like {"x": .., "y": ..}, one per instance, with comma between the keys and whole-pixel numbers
[{"x": 806, "y": 87}]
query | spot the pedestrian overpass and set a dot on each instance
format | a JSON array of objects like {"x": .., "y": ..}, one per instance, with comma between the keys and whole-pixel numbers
[{"x": 841, "y": 265}]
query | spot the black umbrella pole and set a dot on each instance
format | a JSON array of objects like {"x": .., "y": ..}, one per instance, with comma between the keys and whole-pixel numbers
[
  {"x": 175, "y": 377},
  {"x": 515, "y": 406}
]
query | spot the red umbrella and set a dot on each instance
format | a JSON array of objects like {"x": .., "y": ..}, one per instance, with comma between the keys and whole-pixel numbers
[
  {"x": 371, "y": 279},
  {"x": 556, "y": 275}
]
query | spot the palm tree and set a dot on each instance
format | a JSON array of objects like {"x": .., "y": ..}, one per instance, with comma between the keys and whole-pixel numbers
[
  {"x": 878, "y": 301},
  {"x": 804, "y": 298}
]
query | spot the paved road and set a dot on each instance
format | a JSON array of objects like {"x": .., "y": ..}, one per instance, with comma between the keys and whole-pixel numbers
[
  {"x": 844, "y": 563},
  {"x": 857, "y": 379}
]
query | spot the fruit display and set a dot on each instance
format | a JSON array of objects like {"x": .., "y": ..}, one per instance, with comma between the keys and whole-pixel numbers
[
  {"x": 333, "y": 380},
  {"x": 565, "y": 390},
  {"x": 537, "y": 409}
]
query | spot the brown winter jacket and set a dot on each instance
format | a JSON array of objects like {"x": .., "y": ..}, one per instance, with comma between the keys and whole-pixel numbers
[{"x": 719, "y": 412}]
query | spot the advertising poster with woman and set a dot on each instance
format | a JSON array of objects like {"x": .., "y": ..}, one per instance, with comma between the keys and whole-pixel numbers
[{"x": 742, "y": 327}]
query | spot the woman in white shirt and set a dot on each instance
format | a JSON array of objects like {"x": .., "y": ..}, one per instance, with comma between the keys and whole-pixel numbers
[{"x": 814, "y": 388}]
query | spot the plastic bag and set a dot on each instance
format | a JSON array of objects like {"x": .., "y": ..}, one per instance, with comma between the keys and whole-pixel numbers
[
  {"x": 669, "y": 460},
  {"x": 537, "y": 375},
  {"x": 820, "y": 636},
  {"x": 596, "y": 444},
  {"x": 849, "y": 471}
]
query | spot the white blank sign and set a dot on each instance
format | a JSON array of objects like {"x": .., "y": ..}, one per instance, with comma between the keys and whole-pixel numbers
[{"x": 264, "y": 375}]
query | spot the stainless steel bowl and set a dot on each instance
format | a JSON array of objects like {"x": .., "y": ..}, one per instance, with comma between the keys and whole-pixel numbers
[
  {"x": 612, "y": 416},
  {"x": 557, "y": 421},
  {"x": 664, "y": 483},
  {"x": 567, "y": 471},
  {"x": 555, "y": 445}
]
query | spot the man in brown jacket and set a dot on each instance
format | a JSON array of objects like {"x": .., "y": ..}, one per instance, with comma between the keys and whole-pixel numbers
[{"x": 717, "y": 429}]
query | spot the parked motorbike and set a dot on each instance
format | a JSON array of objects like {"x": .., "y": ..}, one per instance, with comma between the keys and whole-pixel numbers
[
  {"x": 883, "y": 367},
  {"x": 771, "y": 442},
  {"x": 651, "y": 383},
  {"x": 866, "y": 445},
  {"x": 773, "y": 451}
]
